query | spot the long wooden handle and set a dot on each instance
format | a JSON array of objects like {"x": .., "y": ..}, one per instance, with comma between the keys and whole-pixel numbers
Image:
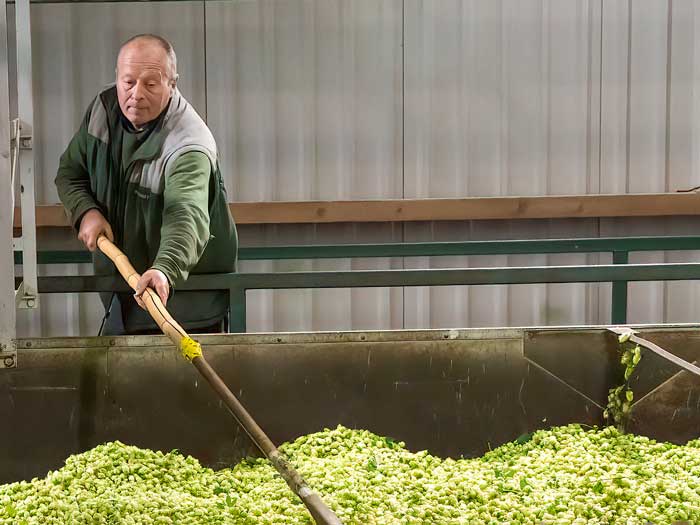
[
  {"x": 154, "y": 305},
  {"x": 321, "y": 513}
]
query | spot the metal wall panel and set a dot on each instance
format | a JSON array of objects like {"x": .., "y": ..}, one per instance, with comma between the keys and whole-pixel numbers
[
  {"x": 308, "y": 106},
  {"x": 497, "y": 98},
  {"x": 501, "y": 99},
  {"x": 650, "y": 142},
  {"x": 647, "y": 91},
  {"x": 683, "y": 129},
  {"x": 308, "y": 97}
]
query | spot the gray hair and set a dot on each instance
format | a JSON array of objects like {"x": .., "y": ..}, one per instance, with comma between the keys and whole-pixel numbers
[{"x": 164, "y": 44}]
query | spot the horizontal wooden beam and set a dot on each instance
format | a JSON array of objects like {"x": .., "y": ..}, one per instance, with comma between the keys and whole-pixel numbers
[{"x": 473, "y": 208}]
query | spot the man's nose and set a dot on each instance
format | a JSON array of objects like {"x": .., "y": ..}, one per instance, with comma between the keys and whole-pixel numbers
[{"x": 137, "y": 92}]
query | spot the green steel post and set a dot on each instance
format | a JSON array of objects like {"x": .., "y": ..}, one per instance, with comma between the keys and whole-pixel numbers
[
  {"x": 237, "y": 310},
  {"x": 619, "y": 292}
]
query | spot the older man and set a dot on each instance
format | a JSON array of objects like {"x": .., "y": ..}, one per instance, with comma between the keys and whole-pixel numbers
[{"x": 143, "y": 170}]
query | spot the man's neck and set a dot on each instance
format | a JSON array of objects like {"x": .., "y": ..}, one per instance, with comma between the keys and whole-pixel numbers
[{"x": 130, "y": 126}]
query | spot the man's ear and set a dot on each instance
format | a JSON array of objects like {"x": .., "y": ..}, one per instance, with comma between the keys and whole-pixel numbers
[{"x": 173, "y": 81}]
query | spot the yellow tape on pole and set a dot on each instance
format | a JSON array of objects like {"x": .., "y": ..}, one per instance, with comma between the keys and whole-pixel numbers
[{"x": 190, "y": 348}]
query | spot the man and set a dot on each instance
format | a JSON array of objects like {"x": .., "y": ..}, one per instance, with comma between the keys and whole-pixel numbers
[{"x": 143, "y": 171}]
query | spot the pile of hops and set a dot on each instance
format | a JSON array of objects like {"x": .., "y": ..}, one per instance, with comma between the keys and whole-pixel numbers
[{"x": 564, "y": 475}]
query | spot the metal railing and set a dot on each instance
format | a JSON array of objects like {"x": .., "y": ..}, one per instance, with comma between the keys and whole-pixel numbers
[{"x": 619, "y": 273}]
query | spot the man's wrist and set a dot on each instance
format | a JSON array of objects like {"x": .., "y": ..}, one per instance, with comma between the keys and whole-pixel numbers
[
  {"x": 167, "y": 277},
  {"x": 80, "y": 213}
]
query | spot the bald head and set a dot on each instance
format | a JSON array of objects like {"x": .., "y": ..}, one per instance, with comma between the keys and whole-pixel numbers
[
  {"x": 147, "y": 40},
  {"x": 146, "y": 77}
]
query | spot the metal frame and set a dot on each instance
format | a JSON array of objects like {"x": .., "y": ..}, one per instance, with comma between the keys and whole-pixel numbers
[
  {"x": 620, "y": 247},
  {"x": 614, "y": 245},
  {"x": 327, "y": 378},
  {"x": 351, "y": 336},
  {"x": 632, "y": 336},
  {"x": 239, "y": 283},
  {"x": 27, "y": 294},
  {"x": 8, "y": 355}
]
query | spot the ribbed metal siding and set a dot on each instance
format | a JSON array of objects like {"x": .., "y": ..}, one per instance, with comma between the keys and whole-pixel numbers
[
  {"x": 502, "y": 99},
  {"x": 345, "y": 99},
  {"x": 308, "y": 106},
  {"x": 649, "y": 137}
]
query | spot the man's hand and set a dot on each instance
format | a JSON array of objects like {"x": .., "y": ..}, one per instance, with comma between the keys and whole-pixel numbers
[
  {"x": 156, "y": 280},
  {"x": 92, "y": 225}
]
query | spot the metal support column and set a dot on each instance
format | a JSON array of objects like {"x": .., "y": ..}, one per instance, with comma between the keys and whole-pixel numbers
[
  {"x": 27, "y": 295},
  {"x": 237, "y": 310},
  {"x": 619, "y": 292},
  {"x": 8, "y": 356}
]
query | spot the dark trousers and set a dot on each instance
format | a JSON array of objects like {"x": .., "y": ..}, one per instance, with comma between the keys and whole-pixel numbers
[{"x": 113, "y": 324}]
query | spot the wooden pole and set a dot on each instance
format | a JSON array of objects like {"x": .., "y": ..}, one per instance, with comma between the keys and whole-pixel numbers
[{"x": 320, "y": 512}]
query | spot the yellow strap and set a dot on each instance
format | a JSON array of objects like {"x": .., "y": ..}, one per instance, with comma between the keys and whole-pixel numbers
[{"x": 190, "y": 348}]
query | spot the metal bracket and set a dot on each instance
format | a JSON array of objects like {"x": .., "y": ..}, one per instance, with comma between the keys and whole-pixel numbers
[
  {"x": 21, "y": 139},
  {"x": 25, "y": 300},
  {"x": 8, "y": 358},
  {"x": 21, "y": 135},
  {"x": 625, "y": 333}
]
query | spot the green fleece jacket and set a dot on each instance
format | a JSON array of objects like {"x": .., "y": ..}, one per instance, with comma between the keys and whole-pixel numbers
[{"x": 162, "y": 193}]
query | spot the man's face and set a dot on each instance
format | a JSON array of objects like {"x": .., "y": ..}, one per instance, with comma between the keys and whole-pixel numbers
[{"x": 144, "y": 86}]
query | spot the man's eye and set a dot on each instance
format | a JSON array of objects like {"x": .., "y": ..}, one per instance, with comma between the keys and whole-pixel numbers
[{"x": 152, "y": 84}]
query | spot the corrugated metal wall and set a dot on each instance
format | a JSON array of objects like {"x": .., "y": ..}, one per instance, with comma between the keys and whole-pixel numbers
[
  {"x": 308, "y": 99},
  {"x": 347, "y": 99}
]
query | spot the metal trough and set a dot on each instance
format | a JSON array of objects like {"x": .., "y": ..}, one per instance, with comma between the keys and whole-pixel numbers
[{"x": 453, "y": 392}]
